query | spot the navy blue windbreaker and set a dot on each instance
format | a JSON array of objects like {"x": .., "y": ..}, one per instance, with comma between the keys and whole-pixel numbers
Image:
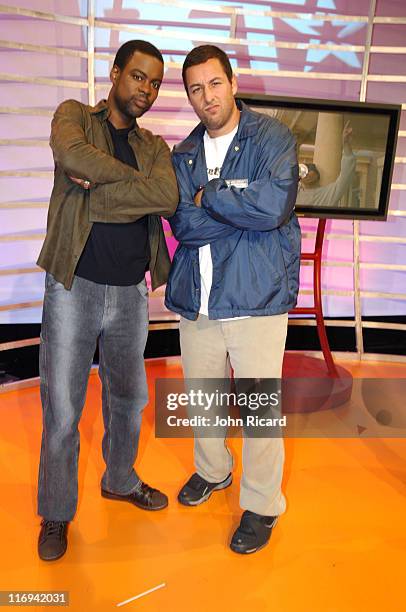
[{"x": 253, "y": 233}]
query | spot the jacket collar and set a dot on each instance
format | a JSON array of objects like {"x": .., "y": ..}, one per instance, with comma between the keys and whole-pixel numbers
[
  {"x": 103, "y": 111},
  {"x": 246, "y": 127}
]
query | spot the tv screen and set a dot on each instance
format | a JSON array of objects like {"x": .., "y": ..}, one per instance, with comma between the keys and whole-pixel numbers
[{"x": 346, "y": 153}]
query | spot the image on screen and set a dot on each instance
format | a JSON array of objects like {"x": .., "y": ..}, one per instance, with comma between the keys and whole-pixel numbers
[{"x": 345, "y": 155}]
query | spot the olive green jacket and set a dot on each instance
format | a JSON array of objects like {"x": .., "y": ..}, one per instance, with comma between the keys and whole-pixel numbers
[{"x": 83, "y": 148}]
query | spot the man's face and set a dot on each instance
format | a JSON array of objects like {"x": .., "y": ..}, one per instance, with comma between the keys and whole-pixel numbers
[
  {"x": 135, "y": 87},
  {"x": 311, "y": 178},
  {"x": 212, "y": 96}
]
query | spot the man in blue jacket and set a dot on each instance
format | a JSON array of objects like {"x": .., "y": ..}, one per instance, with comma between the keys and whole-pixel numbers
[{"x": 235, "y": 272}]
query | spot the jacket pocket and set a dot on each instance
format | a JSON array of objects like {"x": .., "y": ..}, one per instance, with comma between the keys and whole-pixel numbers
[
  {"x": 289, "y": 241},
  {"x": 181, "y": 286}
]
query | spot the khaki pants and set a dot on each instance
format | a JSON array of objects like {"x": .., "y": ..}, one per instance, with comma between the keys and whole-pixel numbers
[{"x": 254, "y": 347}]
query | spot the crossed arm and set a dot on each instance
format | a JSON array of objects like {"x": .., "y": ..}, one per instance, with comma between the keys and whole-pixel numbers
[
  {"x": 191, "y": 225},
  {"x": 120, "y": 193},
  {"x": 219, "y": 211}
]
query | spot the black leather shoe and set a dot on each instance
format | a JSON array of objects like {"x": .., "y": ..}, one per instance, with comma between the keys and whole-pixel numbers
[
  {"x": 197, "y": 490},
  {"x": 52, "y": 541},
  {"x": 253, "y": 532},
  {"x": 144, "y": 497}
]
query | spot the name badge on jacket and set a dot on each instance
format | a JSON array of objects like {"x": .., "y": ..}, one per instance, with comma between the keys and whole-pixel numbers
[{"x": 239, "y": 183}]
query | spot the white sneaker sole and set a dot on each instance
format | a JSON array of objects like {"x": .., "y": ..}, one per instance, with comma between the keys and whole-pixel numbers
[
  {"x": 222, "y": 485},
  {"x": 250, "y": 551}
]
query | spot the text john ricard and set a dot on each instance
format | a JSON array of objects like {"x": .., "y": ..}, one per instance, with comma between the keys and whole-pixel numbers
[{"x": 228, "y": 421}]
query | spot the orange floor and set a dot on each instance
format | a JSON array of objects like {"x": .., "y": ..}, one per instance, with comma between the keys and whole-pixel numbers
[{"x": 340, "y": 546}]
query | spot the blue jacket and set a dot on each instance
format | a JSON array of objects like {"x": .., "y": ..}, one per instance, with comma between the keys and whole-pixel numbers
[{"x": 253, "y": 233}]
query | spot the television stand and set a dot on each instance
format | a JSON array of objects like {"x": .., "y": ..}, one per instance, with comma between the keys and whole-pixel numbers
[{"x": 335, "y": 382}]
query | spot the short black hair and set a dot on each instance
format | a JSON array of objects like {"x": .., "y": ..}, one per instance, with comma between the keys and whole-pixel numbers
[
  {"x": 127, "y": 50},
  {"x": 313, "y": 168},
  {"x": 200, "y": 55}
]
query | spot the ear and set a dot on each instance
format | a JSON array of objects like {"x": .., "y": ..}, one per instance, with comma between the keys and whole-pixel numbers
[
  {"x": 234, "y": 85},
  {"x": 114, "y": 74}
]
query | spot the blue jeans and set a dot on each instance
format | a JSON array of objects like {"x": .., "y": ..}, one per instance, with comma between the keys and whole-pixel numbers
[{"x": 72, "y": 323}]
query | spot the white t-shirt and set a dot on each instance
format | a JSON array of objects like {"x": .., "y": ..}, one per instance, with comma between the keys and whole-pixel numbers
[{"x": 215, "y": 150}]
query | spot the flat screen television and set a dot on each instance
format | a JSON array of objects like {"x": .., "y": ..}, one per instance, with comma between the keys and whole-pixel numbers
[{"x": 346, "y": 153}]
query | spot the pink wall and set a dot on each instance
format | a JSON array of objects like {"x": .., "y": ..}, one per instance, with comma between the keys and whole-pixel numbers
[{"x": 196, "y": 27}]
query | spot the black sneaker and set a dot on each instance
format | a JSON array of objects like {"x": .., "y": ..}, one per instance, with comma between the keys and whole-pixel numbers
[
  {"x": 253, "y": 532},
  {"x": 52, "y": 541},
  {"x": 197, "y": 490},
  {"x": 144, "y": 497}
]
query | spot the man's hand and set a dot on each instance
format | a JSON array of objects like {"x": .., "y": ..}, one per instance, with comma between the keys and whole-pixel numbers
[
  {"x": 347, "y": 138},
  {"x": 198, "y": 198},
  {"x": 82, "y": 183}
]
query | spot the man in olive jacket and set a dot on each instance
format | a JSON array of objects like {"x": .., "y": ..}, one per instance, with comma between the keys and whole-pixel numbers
[{"x": 113, "y": 181}]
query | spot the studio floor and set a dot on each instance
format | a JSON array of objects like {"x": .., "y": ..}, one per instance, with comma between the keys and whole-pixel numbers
[{"x": 340, "y": 546}]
